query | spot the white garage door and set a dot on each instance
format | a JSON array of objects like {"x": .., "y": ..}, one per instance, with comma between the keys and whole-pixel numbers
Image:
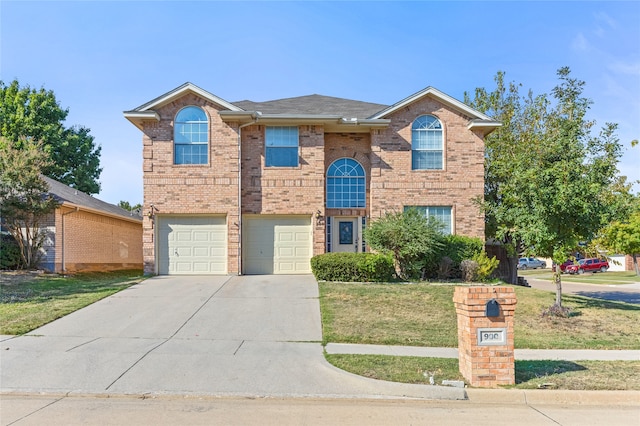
[
  {"x": 277, "y": 244},
  {"x": 192, "y": 245}
]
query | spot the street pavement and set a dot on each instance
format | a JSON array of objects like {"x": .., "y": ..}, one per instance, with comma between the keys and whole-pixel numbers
[
  {"x": 246, "y": 350},
  {"x": 629, "y": 293}
]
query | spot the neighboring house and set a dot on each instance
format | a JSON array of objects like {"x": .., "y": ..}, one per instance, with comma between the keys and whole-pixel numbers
[
  {"x": 260, "y": 187},
  {"x": 86, "y": 234}
]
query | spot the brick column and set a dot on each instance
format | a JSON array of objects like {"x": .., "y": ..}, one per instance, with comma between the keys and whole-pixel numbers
[{"x": 485, "y": 343}]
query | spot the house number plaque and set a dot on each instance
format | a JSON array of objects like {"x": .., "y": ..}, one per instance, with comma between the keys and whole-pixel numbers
[{"x": 492, "y": 336}]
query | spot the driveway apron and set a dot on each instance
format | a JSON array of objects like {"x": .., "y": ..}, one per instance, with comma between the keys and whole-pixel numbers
[{"x": 193, "y": 335}]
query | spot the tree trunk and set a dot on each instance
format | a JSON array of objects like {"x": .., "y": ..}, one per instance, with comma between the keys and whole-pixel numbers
[
  {"x": 635, "y": 263},
  {"x": 558, "y": 281},
  {"x": 513, "y": 270}
]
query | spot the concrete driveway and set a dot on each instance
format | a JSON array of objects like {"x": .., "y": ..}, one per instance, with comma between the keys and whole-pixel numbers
[{"x": 204, "y": 335}]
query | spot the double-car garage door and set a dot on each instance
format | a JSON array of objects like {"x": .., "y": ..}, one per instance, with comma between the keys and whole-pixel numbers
[{"x": 198, "y": 245}]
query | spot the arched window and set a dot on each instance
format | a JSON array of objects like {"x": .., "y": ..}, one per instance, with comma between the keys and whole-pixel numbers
[
  {"x": 191, "y": 136},
  {"x": 345, "y": 184},
  {"x": 426, "y": 143}
]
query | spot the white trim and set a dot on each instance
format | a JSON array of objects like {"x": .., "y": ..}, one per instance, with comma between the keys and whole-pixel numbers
[{"x": 460, "y": 106}]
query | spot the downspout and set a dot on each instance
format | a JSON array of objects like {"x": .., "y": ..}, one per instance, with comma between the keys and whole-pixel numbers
[
  {"x": 255, "y": 116},
  {"x": 64, "y": 269}
]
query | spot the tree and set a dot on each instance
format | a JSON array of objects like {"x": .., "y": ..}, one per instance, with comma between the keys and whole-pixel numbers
[
  {"x": 550, "y": 183},
  {"x": 127, "y": 206},
  {"x": 29, "y": 114},
  {"x": 623, "y": 237},
  {"x": 409, "y": 235},
  {"x": 24, "y": 198}
]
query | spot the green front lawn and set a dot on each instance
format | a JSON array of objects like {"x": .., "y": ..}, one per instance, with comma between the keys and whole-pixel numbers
[
  {"x": 424, "y": 315},
  {"x": 28, "y": 302}
]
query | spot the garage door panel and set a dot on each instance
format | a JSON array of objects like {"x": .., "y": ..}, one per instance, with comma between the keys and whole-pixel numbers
[
  {"x": 280, "y": 245},
  {"x": 192, "y": 245}
]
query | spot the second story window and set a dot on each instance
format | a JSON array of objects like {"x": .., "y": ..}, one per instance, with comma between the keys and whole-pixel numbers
[
  {"x": 281, "y": 146},
  {"x": 191, "y": 136},
  {"x": 345, "y": 184},
  {"x": 426, "y": 143}
]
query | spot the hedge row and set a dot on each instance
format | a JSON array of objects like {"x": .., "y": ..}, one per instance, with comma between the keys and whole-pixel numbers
[{"x": 348, "y": 267}]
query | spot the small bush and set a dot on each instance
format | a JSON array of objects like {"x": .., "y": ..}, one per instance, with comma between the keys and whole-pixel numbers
[
  {"x": 10, "y": 257},
  {"x": 486, "y": 266},
  {"x": 457, "y": 248},
  {"x": 469, "y": 270},
  {"x": 353, "y": 267}
]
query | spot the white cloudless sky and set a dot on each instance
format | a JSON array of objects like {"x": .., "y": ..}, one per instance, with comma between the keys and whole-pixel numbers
[{"x": 102, "y": 58}]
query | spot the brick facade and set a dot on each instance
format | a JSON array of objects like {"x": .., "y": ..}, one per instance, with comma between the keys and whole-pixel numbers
[
  {"x": 383, "y": 149},
  {"x": 82, "y": 241}
]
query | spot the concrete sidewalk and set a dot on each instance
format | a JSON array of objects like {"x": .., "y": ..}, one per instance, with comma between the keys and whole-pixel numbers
[{"x": 520, "y": 354}]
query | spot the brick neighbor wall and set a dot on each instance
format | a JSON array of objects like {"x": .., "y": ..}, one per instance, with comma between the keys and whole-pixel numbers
[{"x": 93, "y": 242}]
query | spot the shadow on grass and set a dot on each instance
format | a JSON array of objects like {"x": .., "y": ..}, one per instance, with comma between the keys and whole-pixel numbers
[{"x": 529, "y": 370}]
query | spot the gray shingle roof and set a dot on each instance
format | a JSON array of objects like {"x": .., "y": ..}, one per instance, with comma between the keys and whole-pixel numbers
[
  {"x": 314, "y": 104},
  {"x": 64, "y": 193}
]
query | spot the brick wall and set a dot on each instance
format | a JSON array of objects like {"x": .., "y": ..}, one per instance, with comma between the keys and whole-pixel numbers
[
  {"x": 385, "y": 155},
  {"x": 395, "y": 185},
  {"x": 190, "y": 189},
  {"x": 93, "y": 242}
]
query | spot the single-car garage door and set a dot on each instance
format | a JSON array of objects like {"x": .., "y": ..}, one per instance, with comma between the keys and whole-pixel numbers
[
  {"x": 192, "y": 245},
  {"x": 277, "y": 244}
]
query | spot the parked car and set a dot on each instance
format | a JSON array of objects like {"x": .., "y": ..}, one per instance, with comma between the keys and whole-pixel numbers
[
  {"x": 531, "y": 263},
  {"x": 588, "y": 265}
]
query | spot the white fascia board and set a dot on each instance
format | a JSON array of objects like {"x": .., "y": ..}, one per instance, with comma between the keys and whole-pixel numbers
[
  {"x": 456, "y": 104},
  {"x": 180, "y": 91}
]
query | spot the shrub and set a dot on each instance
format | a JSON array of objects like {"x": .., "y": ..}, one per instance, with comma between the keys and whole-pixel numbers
[
  {"x": 10, "y": 257},
  {"x": 469, "y": 270},
  {"x": 353, "y": 267},
  {"x": 486, "y": 266},
  {"x": 457, "y": 248},
  {"x": 410, "y": 236}
]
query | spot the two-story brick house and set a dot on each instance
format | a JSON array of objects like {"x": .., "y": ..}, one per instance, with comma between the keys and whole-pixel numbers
[{"x": 260, "y": 187}]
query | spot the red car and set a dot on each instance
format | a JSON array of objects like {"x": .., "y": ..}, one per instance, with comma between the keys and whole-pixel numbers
[{"x": 588, "y": 265}]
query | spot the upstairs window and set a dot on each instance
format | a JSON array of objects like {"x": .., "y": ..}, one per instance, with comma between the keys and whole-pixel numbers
[
  {"x": 426, "y": 143},
  {"x": 441, "y": 214},
  {"x": 345, "y": 184},
  {"x": 191, "y": 136},
  {"x": 281, "y": 146}
]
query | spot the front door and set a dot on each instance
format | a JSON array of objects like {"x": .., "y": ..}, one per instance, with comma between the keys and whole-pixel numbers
[{"x": 346, "y": 234}]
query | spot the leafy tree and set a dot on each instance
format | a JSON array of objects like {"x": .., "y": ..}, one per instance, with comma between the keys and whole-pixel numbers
[
  {"x": 410, "y": 236},
  {"x": 24, "y": 198},
  {"x": 623, "y": 237},
  {"x": 550, "y": 183},
  {"x": 29, "y": 114},
  {"x": 127, "y": 206}
]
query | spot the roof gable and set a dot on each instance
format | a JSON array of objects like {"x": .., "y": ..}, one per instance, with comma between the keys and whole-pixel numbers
[{"x": 434, "y": 93}]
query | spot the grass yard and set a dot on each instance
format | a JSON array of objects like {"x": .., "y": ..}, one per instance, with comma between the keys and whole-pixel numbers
[
  {"x": 605, "y": 278},
  {"x": 580, "y": 375},
  {"x": 30, "y": 301},
  {"x": 424, "y": 315}
]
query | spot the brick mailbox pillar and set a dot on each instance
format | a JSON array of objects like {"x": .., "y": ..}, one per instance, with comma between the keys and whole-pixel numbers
[{"x": 485, "y": 334}]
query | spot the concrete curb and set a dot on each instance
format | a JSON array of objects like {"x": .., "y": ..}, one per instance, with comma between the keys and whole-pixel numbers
[{"x": 553, "y": 397}]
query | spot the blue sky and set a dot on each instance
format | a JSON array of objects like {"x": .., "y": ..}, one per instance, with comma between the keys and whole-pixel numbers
[{"x": 102, "y": 58}]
